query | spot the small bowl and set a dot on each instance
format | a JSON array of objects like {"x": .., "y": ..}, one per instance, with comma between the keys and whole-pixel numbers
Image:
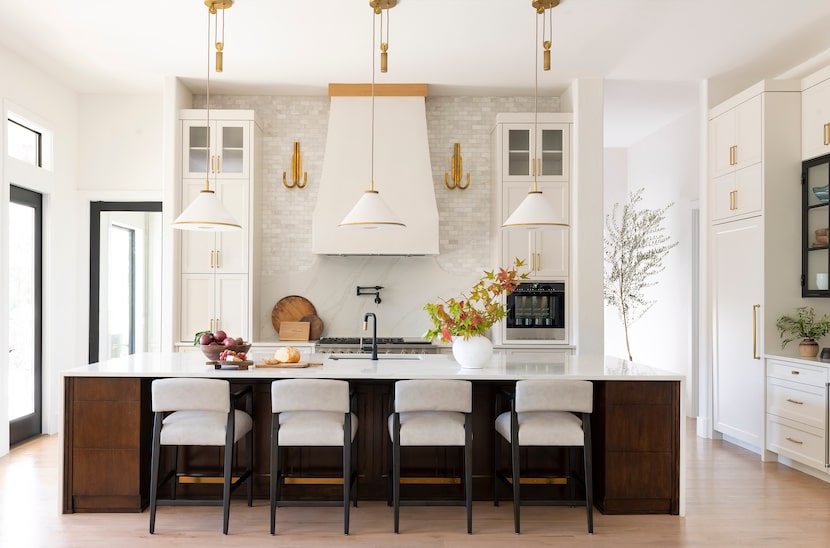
[
  {"x": 212, "y": 351},
  {"x": 822, "y": 193}
]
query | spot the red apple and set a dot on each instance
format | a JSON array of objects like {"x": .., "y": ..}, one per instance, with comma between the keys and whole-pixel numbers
[
  {"x": 206, "y": 338},
  {"x": 219, "y": 336},
  {"x": 229, "y": 341}
]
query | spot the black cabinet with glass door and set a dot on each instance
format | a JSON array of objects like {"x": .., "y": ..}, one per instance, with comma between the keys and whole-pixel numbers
[{"x": 815, "y": 192}]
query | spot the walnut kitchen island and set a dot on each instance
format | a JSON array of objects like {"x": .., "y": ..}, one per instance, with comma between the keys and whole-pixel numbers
[{"x": 638, "y": 428}]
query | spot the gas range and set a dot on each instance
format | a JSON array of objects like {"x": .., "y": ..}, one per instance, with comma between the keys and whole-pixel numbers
[{"x": 386, "y": 345}]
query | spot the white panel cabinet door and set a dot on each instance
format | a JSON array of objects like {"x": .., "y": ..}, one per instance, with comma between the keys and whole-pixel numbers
[
  {"x": 232, "y": 305},
  {"x": 738, "y": 318},
  {"x": 197, "y": 305},
  {"x": 735, "y": 138},
  {"x": 815, "y": 121},
  {"x": 232, "y": 246},
  {"x": 224, "y": 152}
]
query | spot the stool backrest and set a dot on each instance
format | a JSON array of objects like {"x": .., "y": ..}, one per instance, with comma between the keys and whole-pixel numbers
[
  {"x": 185, "y": 394},
  {"x": 310, "y": 395},
  {"x": 556, "y": 395},
  {"x": 433, "y": 395}
]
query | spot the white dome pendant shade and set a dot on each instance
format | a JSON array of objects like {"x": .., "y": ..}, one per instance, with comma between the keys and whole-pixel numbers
[
  {"x": 206, "y": 212},
  {"x": 535, "y": 211},
  {"x": 371, "y": 212}
]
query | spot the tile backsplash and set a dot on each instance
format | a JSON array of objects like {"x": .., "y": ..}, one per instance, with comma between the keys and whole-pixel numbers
[{"x": 289, "y": 268}]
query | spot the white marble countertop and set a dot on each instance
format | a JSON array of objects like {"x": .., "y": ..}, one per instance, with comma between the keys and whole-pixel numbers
[{"x": 504, "y": 365}]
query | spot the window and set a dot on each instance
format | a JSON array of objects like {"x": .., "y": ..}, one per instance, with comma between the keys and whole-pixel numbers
[{"x": 25, "y": 144}]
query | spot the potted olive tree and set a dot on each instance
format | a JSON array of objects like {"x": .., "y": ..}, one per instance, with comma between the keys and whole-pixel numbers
[{"x": 803, "y": 325}]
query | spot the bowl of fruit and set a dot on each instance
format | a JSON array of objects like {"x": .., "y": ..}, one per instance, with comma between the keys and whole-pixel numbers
[{"x": 218, "y": 346}]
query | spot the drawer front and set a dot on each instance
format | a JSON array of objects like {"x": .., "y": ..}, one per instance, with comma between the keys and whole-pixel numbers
[
  {"x": 799, "y": 445},
  {"x": 798, "y": 402},
  {"x": 805, "y": 374}
]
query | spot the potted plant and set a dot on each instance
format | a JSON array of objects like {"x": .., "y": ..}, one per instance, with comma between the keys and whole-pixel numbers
[
  {"x": 464, "y": 320},
  {"x": 804, "y": 326}
]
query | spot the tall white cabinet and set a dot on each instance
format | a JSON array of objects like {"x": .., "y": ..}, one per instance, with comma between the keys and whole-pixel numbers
[
  {"x": 522, "y": 148},
  {"x": 217, "y": 269},
  {"x": 754, "y": 209}
]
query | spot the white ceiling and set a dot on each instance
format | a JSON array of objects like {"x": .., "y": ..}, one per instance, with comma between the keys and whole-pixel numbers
[{"x": 458, "y": 47}]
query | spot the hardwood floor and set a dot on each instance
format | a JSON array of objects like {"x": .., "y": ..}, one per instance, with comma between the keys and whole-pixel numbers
[{"x": 733, "y": 499}]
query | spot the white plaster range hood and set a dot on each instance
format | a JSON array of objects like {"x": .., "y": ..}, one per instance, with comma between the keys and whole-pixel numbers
[{"x": 403, "y": 174}]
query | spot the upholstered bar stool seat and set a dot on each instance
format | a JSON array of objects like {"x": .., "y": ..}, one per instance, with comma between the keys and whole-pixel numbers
[
  {"x": 546, "y": 413},
  {"x": 199, "y": 412},
  {"x": 312, "y": 413},
  {"x": 431, "y": 413}
]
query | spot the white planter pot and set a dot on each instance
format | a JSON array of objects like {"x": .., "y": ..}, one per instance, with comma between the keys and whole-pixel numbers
[{"x": 472, "y": 353}]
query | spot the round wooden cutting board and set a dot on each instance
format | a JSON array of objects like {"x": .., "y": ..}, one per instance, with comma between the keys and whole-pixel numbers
[
  {"x": 316, "y": 328},
  {"x": 291, "y": 309}
]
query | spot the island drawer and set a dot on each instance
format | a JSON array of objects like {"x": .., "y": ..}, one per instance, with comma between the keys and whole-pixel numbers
[
  {"x": 805, "y": 374},
  {"x": 799, "y": 402},
  {"x": 803, "y": 445}
]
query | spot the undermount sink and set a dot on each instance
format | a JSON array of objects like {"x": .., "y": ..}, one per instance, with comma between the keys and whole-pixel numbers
[{"x": 369, "y": 356}]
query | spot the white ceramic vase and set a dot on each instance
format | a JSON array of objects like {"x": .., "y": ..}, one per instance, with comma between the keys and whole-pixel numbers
[{"x": 472, "y": 353}]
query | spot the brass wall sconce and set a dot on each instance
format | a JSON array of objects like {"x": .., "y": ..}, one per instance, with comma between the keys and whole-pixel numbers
[
  {"x": 296, "y": 170},
  {"x": 456, "y": 170}
]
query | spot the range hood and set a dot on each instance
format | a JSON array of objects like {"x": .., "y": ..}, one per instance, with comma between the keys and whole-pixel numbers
[{"x": 403, "y": 173}]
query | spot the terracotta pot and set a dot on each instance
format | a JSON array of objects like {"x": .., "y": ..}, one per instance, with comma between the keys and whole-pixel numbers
[{"x": 808, "y": 348}]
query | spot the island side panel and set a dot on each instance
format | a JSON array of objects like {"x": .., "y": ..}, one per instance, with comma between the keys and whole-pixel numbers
[
  {"x": 637, "y": 447},
  {"x": 107, "y": 435}
]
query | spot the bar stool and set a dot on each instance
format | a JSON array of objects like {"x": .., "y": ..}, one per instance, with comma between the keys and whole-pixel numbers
[
  {"x": 546, "y": 413},
  {"x": 432, "y": 413},
  {"x": 312, "y": 413},
  {"x": 199, "y": 412}
]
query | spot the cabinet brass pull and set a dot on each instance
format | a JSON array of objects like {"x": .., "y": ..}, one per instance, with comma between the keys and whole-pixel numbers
[
  {"x": 735, "y": 154},
  {"x": 538, "y": 261},
  {"x": 211, "y": 326},
  {"x": 532, "y": 262},
  {"x": 533, "y": 167},
  {"x": 795, "y": 373},
  {"x": 795, "y": 402},
  {"x": 539, "y": 169},
  {"x": 735, "y": 200},
  {"x": 218, "y": 164},
  {"x": 217, "y": 258},
  {"x": 212, "y": 163},
  {"x": 755, "y": 309},
  {"x": 217, "y": 325},
  {"x": 827, "y": 133},
  {"x": 211, "y": 258},
  {"x": 795, "y": 441}
]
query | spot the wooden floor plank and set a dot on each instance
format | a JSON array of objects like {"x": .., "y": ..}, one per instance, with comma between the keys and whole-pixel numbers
[{"x": 732, "y": 499}]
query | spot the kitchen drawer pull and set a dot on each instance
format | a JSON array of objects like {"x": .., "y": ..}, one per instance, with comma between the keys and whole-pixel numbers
[
  {"x": 795, "y": 402},
  {"x": 795, "y": 372},
  {"x": 795, "y": 441}
]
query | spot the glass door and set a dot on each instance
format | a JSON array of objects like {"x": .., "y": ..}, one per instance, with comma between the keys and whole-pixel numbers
[
  {"x": 125, "y": 279},
  {"x": 25, "y": 328}
]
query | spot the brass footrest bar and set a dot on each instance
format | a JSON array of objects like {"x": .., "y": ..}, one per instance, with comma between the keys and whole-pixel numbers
[
  {"x": 313, "y": 481},
  {"x": 430, "y": 481},
  {"x": 539, "y": 481},
  {"x": 205, "y": 479}
]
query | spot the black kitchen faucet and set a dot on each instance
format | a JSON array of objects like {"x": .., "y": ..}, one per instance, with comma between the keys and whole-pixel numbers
[{"x": 374, "y": 332}]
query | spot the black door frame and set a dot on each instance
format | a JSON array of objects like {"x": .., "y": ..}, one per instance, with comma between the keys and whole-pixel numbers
[
  {"x": 95, "y": 209},
  {"x": 25, "y": 427}
]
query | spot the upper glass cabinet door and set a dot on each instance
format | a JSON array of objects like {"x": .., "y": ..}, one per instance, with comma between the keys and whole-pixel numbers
[
  {"x": 221, "y": 152},
  {"x": 815, "y": 182},
  {"x": 538, "y": 150}
]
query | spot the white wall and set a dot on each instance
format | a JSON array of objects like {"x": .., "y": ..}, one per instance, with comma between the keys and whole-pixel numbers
[
  {"x": 666, "y": 164},
  {"x": 105, "y": 148},
  {"x": 40, "y": 99}
]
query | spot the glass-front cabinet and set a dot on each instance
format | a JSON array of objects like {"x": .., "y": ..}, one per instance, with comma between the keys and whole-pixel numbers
[
  {"x": 815, "y": 180},
  {"x": 535, "y": 150},
  {"x": 222, "y": 152}
]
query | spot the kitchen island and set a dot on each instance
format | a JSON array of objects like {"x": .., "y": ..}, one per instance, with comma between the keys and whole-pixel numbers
[{"x": 638, "y": 426}]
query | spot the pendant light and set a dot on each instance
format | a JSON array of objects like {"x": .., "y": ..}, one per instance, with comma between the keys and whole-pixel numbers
[
  {"x": 370, "y": 211},
  {"x": 536, "y": 211},
  {"x": 207, "y": 212}
]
